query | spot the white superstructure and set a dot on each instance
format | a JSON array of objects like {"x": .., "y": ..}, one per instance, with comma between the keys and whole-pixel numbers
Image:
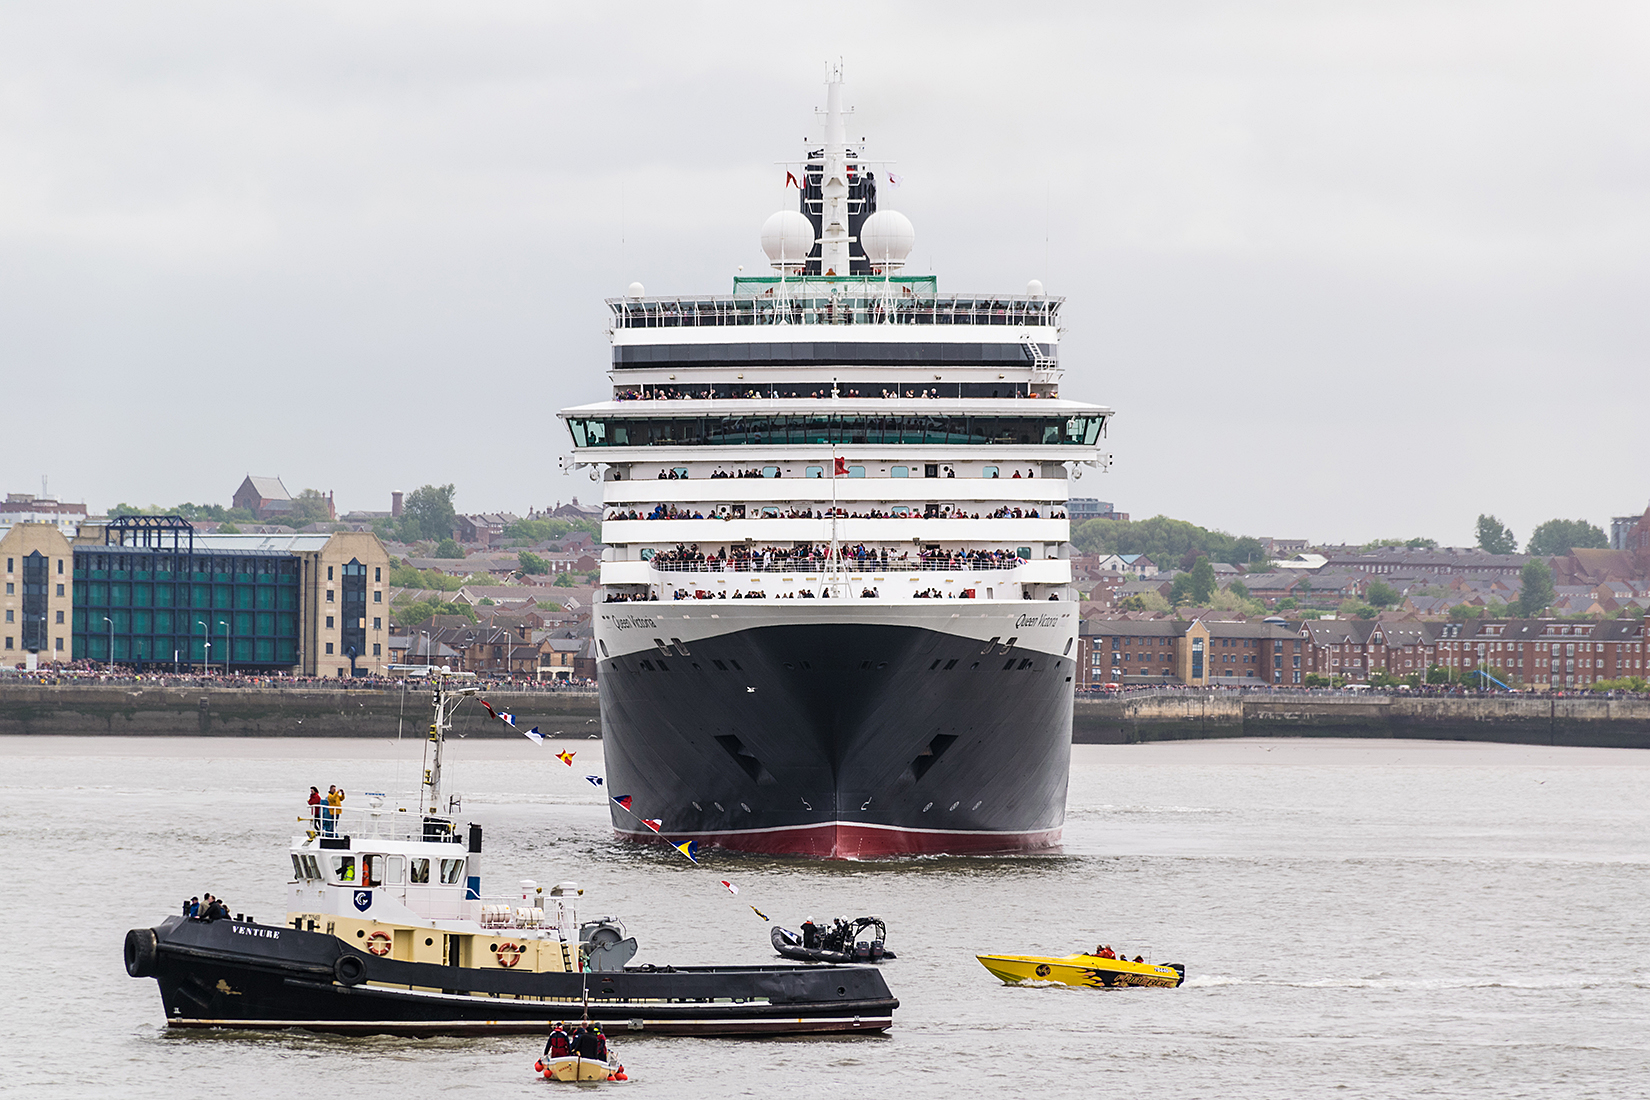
[{"x": 838, "y": 429}]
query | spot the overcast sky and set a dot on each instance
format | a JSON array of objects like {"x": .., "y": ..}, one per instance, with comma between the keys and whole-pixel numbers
[{"x": 1344, "y": 270}]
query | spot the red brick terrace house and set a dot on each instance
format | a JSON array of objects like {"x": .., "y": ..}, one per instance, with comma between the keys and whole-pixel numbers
[
  {"x": 1543, "y": 653},
  {"x": 1200, "y": 653}
]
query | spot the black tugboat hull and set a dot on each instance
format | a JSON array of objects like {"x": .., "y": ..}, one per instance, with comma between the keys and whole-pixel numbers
[{"x": 229, "y": 974}]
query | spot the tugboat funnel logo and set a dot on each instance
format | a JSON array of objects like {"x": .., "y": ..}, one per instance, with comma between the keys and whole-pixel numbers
[{"x": 363, "y": 900}]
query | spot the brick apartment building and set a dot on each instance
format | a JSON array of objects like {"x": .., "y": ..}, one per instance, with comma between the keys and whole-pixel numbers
[
  {"x": 1530, "y": 653},
  {"x": 1197, "y": 653}
]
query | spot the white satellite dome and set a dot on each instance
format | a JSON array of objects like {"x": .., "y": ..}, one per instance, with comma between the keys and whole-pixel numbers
[
  {"x": 787, "y": 238},
  {"x": 887, "y": 238},
  {"x": 1034, "y": 289},
  {"x": 634, "y": 290}
]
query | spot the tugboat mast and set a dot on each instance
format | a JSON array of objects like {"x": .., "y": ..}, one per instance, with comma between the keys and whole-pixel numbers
[{"x": 444, "y": 701}]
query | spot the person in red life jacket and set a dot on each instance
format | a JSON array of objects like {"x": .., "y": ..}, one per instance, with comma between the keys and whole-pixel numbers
[
  {"x": 315, "y": 809},
  {"x": 557, "y": 1046}
]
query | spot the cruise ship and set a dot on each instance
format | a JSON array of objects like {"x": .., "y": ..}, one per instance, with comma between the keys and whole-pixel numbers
[{"x": 837, "y": 613}]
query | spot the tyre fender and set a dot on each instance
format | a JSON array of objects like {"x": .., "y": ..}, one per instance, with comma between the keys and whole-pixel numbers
[
  {"x": 142, "y": 952},
  {"x": 349, "y": 969}
]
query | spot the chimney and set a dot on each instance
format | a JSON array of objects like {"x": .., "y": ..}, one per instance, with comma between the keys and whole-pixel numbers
[{"x": 395, "y": 505}]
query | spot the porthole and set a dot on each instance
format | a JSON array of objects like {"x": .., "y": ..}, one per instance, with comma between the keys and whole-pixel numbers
[
  {"x": 428, "y": 941},
  {"x": 493, "y": 947},
  {"x": 361, "y": 933}
]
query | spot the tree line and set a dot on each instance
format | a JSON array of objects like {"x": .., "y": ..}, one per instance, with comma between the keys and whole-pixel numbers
[{"x": 1554, "y": 538}]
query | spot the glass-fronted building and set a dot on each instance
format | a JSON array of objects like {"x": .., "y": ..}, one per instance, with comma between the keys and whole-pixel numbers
[{"x": 153, "y": 594}]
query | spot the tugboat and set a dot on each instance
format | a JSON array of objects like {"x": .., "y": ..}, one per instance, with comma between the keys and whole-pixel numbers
[{"x": 388, "y": 932}]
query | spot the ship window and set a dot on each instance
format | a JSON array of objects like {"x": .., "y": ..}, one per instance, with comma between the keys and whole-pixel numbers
[
  {"x": 719, "y": 664},
  {"x": 382, "y": 870},
  {"x": 949, "y": 665},
  {"x": 735, "y": 664},
  {"x": 297, "y": 867},
  {"x": 681, "y": 472},
  {"x": 312, "y": 868},
  {"x": 343, "y": 868},
  {"x": 814, "y": 471},
  {"x": 770, "y": 471},
  {"x": 989, "y": 471},
  {"x": 856, "y": 471},
  {"x": 452, "y": 870},
  {"x": 420, "y": 871},
  {"x": 898, "y": 471}
]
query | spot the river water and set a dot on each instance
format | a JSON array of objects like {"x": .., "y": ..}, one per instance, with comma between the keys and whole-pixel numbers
[{"x": 1390, "y": 919}]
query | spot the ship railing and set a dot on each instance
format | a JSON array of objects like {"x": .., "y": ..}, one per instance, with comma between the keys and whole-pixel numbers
[
  {"x": 847, "y": 565},
  {"x": 377, "y": 820},
  {"x": 869, "y": 307}
]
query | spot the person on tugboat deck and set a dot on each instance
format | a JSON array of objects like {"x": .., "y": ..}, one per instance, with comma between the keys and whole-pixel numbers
[
  {"x": 315, "y": 809},
  {"x": 557, "y": 1046},
  {"x": 192, "y": 906}
]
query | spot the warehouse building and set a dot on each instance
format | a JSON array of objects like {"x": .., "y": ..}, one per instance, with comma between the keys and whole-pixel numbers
[
  {"x": 152, "y": 593},
  {"x": 39, "y": 591}
]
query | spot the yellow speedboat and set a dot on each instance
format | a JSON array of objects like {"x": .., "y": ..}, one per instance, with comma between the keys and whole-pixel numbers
[{"x": 1086, "y": 970}]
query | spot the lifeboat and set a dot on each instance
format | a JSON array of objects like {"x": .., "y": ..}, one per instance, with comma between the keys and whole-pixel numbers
[
  {"x": 1082, "y": 970},
  {"x": 571, "y": 1067}
]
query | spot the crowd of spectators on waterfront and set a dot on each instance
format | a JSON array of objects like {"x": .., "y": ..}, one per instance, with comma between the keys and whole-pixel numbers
[
  {"x": 88, "y": 673},
  {"x": 1109, "y": 691}
]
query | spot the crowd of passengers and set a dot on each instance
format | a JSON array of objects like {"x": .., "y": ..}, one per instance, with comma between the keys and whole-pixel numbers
[
  {"x": 674, "y": 393},
  {"x": 726, "y": 511},
  {"x": 740, "y": 558},
  {"x": 675, "y": 474},
  {"x": 757, "y": 594}
]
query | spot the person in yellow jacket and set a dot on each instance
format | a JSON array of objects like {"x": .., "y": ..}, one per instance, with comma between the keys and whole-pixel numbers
[{"x": 335, "y": 806}]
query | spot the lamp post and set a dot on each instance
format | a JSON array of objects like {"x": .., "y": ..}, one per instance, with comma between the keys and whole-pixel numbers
[
  {"x": 510, "y": 651},
  {"x": 206, "y": 657},
  {"x": 111, "y": 623},
  {"x": 426, "y": 635},
  {"x": 225, "y": 646}
]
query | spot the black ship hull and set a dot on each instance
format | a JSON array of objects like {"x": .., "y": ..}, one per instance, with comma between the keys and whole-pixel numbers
[
  {"x": 233, "y": 974},
  {"x": 849, "y": 739}
]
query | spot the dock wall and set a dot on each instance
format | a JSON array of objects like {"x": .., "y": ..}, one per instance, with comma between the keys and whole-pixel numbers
[
  {"x": 125, "y": 710},
  {"x": 1602, "y": 723}
]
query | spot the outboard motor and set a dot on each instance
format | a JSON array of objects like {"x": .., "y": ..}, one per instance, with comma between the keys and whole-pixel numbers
[
  {"x": 862, "y": 952},
  {"x": 877, "y": 949}
]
